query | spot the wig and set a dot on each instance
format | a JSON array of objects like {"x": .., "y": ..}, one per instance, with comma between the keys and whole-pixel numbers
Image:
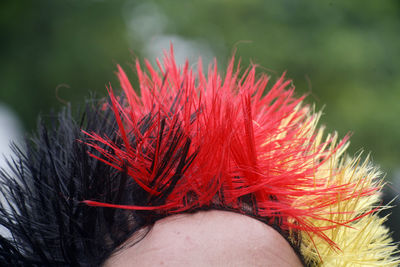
[{"x": 189, "y": 141}]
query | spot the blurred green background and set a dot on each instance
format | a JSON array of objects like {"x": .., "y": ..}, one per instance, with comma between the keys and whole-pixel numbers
[{"x": 344, "y": 54}]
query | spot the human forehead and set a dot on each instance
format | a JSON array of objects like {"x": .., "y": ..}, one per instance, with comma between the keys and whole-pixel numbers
[{"x": 208, "y": 238}]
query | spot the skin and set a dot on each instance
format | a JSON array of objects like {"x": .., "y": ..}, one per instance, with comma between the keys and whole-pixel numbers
[{"x": 208, "y": 238}]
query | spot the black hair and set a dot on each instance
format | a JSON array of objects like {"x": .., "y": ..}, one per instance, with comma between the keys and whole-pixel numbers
[{"x": 46, "y": 223}]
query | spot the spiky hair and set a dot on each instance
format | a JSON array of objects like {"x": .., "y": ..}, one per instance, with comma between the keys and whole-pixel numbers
[{"x": 189, "y": 142}]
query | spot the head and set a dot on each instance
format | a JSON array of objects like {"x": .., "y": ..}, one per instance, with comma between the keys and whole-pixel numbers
[
  {"x": 193, "y": 170},
  {"x": 206, "y": 238}
]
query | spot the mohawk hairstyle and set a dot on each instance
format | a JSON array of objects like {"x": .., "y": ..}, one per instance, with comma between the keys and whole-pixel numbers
[{"x": 188, "y": 143}]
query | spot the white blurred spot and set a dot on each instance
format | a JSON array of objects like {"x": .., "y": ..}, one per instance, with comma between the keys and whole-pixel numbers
[
  {"x": 183, "y": 49},
  {"x": 144, "y": 21},
  {"x": 147, "y": 24},
  {"x": 10, "y": 131}
]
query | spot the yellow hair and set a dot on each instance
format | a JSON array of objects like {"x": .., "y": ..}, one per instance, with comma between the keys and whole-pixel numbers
[{"x": 363, "y": 240}]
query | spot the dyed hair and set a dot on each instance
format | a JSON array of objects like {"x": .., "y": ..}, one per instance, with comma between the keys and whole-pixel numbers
[{"x": 187, "y": 142}]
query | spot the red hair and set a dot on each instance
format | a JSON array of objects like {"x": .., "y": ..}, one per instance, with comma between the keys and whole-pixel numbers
[{"x": 224, "y": 143}]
